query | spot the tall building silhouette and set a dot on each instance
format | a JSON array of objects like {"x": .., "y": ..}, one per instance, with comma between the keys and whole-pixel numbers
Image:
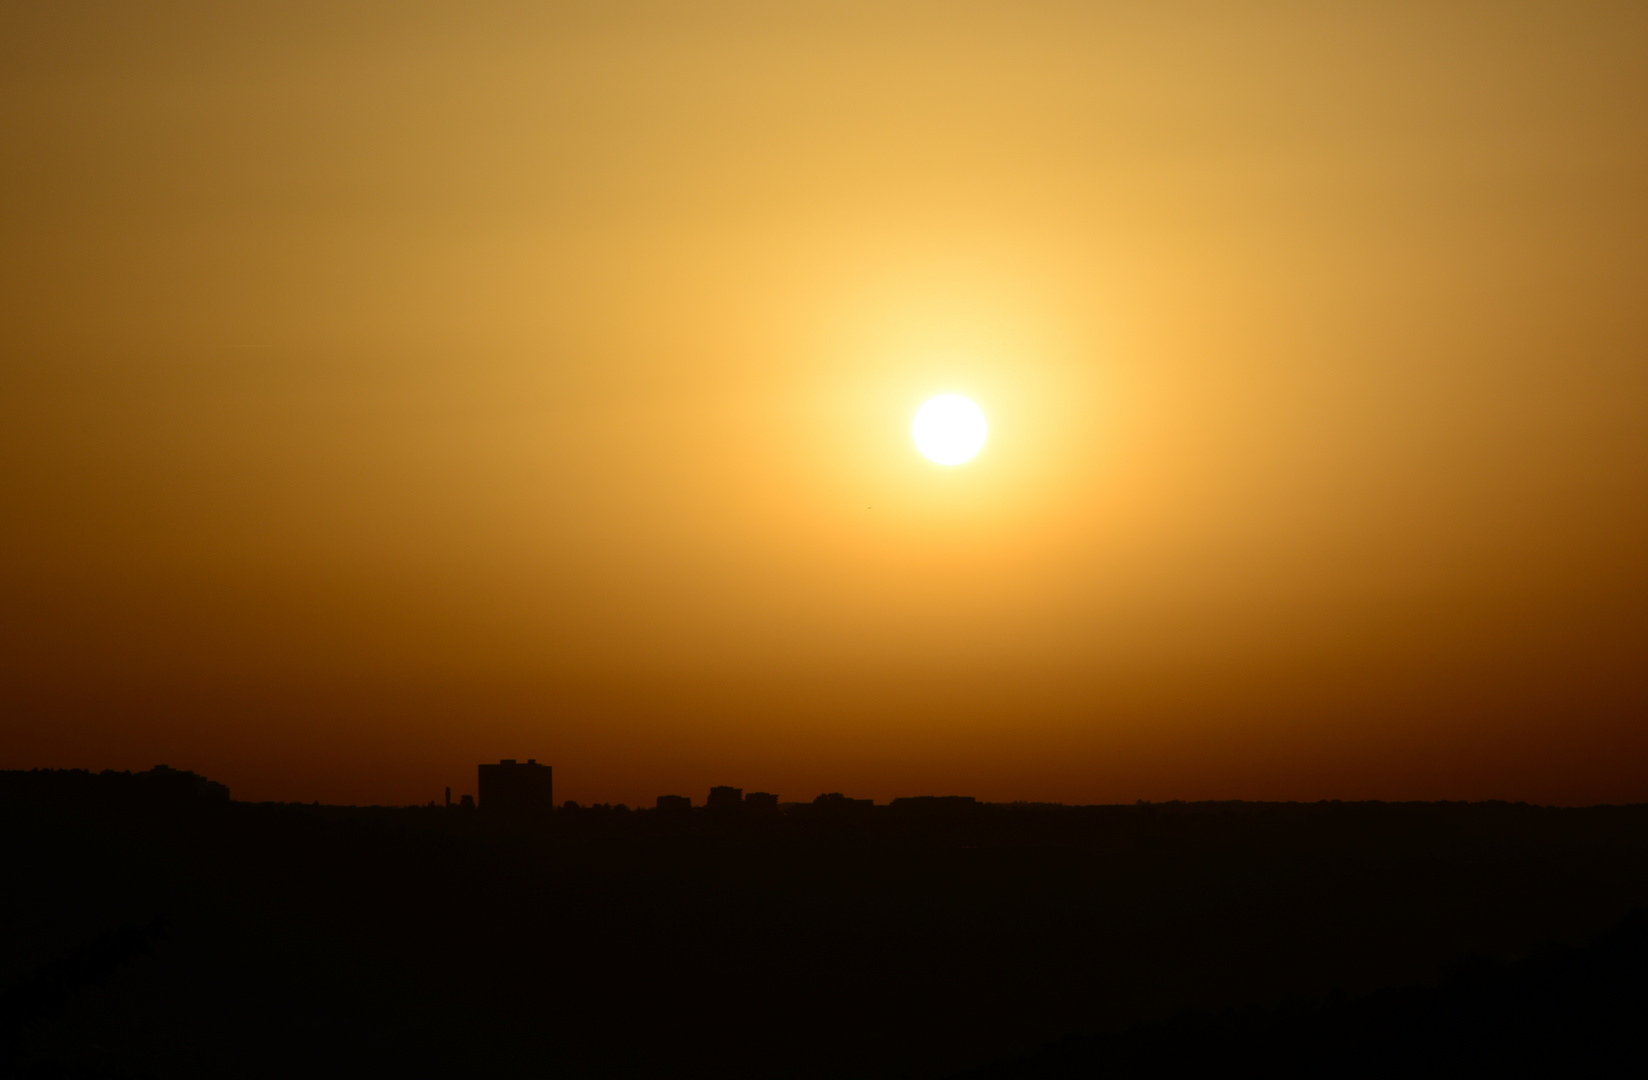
[{"x": 515, "y": 790}]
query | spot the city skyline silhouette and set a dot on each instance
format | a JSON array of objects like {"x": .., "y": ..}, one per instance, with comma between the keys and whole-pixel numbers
[{"x": 867, "y": 538}]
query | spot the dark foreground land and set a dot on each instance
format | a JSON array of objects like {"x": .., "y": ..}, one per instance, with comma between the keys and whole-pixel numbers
[{"x": 152, "y": 927}]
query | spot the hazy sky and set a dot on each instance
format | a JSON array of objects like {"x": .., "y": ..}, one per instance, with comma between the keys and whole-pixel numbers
[{"x": 390, "y": 387}]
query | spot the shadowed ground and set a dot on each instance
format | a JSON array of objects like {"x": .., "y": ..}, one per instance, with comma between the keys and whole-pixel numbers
[{"x": 919, "y": 939}]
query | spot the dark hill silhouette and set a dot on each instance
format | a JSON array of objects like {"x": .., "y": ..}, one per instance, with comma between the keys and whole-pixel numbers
[{"x": 820, "y": 940}]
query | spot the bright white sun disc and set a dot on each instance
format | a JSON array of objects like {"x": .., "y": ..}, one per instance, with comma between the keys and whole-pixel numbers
[{"x": 950, "y": 429}]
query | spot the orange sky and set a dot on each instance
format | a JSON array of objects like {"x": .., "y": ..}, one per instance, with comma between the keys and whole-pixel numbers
[{"x": 387, "y": 388}]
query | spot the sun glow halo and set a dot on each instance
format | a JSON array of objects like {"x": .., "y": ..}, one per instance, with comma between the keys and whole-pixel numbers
[{"x": 950, "y": 429}]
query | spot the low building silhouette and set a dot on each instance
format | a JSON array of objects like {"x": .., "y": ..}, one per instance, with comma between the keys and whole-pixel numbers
[
  {"x": 836, "y": 799},
  {"x": 674, "y": 804},
  {"x": 511, "y": 789},
  {"x": 761, "y": 802},
  {"x": 725, "y": 798},
  {"x": 934, "y": 804},
  {"x": 465, "y": 802},
  {"x": 836, "y": 806}
]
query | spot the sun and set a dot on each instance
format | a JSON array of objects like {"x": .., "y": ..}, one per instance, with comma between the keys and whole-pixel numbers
[{"x": 950, "y": 429}]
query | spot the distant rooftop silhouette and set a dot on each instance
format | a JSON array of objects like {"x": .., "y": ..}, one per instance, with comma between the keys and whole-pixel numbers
[
  {"x": 725, "y": 798},
  {"x": 510, "y": 789}
]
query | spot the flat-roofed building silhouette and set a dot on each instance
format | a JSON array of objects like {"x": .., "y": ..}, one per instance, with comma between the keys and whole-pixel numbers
[
  {"x": 511, "y": 789},
  {"x": 934, "y": 803},
  {"x": 761, "y": 802},
  {"x": 725, "y": 798},
  {"x": 675, "y": 804},
  {"x": 837, "y": 806}
]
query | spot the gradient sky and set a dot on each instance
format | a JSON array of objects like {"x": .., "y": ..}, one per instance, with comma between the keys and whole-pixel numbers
[{"x": 385, "y": 388}]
